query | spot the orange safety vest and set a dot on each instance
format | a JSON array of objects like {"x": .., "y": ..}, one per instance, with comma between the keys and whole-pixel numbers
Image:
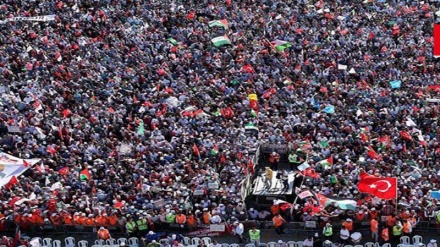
[
  {"x": 404, "y": 216},
  {"x": 385, "y": 234},
  {"x": 113, "y": 220},
  {"x": 191, "y": 221},
  {"x": 373, "y": 214},
  {"x": 348, "y": 225},
  {"x": 180, "y": 218},
  {"x": 360, "y": 217},
  {"x": 391, "y": 221},
  {"x": 275, "y": 209},
  {"x": 89, "y": 221},
  {"x": 101, "y": 220},
  {"x": 277, "y": 221},
  {"x": 75, "y": 219},
  {"x": 407, "y": 227},
  {"x": 206, "y": 218},
  {"x": 81, "y": 220},
  {"x": 68, "y": 220},
  {"x": 103, "y": 234},
  {"x": 56, "y": 220},
  {"x": 374, "y": 225}
]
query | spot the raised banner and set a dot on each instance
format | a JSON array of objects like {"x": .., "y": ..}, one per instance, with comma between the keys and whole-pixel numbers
[
  {"x": 11, "y": 166},
  {"x": 34, "y": 18}
]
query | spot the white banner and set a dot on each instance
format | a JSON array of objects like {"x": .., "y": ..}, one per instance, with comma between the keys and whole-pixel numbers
[
  {"x": 12, "y": 166},
  {"x": 34, "y": 18}
]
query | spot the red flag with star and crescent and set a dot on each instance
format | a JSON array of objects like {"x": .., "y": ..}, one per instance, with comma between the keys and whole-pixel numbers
[{"x": 383, "y": 188}]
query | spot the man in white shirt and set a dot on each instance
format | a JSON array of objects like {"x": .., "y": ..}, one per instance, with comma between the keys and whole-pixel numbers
[
  {"x": 344, "y": 234},
  {"x": 239, "y": 230},
  {"x": 214, "y": 244},
  {"x": 432, "y": 243},
  {"x": 308, "y": 242}
]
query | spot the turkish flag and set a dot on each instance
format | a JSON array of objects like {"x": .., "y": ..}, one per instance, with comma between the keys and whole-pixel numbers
[
  {"x": 436, "y": 50},
  {"x": 383, "y": 188}
]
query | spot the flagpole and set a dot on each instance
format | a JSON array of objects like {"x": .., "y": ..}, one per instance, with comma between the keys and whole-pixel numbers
[{"x": 397, "y": 190}]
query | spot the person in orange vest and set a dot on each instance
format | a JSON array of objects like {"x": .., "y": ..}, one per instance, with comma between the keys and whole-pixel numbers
[
  {"x": 113, "y": 220},
  {"x": 391, "y": 220},
  {"x": 407, "y": 228},
  {"x": 103, "y": 233},
  {"x": 274, "y": 159},
  {"x": 101, "y": 220},
  {"x": 361, "y": 215},
  {"x": 181, "y": 219},
  {"x": 385, "y": 234},
  {"x": 414, "y": 219},
  {"x": 89, "y": 221},
  {"x": 55, "y": 219},
  {"x": 405, "y": 215},
  {"x": 36, "y": 218},
  {"x": 76, "y": 217},
  {"x": 275, "y": 208},
  {"x": 206, "y": 216},
  {"x": 67, "y": 219},
  {"x": 82, "y": 219},
  {"x": 191, "y": 221},
  {"x": 374, "y": 227},
  {"x": 348, "y": 223},
  {"x": 278, "y": 223},
  {"x": 373, "y": 213}
]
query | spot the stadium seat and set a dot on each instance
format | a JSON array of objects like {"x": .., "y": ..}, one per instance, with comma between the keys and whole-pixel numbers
[
  {"x": 195, "y": 241},
  {"x": 417, "y": 239},
  {"x": 133, "y": 242},
  {"x": 206, "y": 240},
  {"x": 83, "y": 243},
  {"x": 234, "y": 245},
  {"x": 122, "y": 240},
  {"x": 225, "y": 245},
  {"x": 69, "y": 242},
  {"x": 37, "y": 241},
  {"x": 299, "y": 244},
  {"x": 249, "y": 245},
  {"x": 271, "y": 244},
  {"x": 111, "y": 242},
  {"x": 386, "y": 245},
  {"x": 186, "y": 241},
  {"x": 47, "y": 242},
  {"x": 369, "y": 244},
  {"x": 56, "y": 243},
  {"x": 405, "y": 240},
  {"x": 99, "y": 242},
  {"x": 291, "y": 244}
]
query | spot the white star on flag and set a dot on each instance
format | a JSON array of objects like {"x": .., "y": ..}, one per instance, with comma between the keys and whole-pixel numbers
[{"x": 373, "y": 186}]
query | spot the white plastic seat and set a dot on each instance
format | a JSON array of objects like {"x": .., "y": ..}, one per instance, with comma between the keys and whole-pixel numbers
[
  {"x": 348, "y": 245},
  {"x": 291, "y": 244},
  {"x": 249, "y": 245},
  {"x": 206, "y": 240},
  {"x": 369, "y": 244},
  {"x": 358, "y": 245},
  {"x": 417, "y": 239},
  {"x": 36, "y": 242},
  {"x": 299, "y": 244},
  {"x": 56, "y": 243},
  {"x": 69, "y": 242},
  {"x": 106, "y": 245},
  {"x": 225, "y": 245},
  {"x": 111, "y": 242},
  {"x": 405, "y": 240},
  {"x": 402, "y": 245},
  {"x": 195, "y": 241},
  {"x": 133, "y": 242},
  {"x": 47, "y": 242},
  {"x": 99, "y": 242},
  {"x": 83, "y": 243},
  {"x": 186, "y": 241},
  {"x": 271, "y": 244},
  {"x": 122, "y": 240},
  {"x": 386, "y": 245},
  {"x": 234, "y": 245}
]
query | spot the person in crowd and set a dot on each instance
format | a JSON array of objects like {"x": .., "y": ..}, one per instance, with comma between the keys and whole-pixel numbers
[
  {"x": 104, "y": 233},
  {"x": 254, "y": 236}
]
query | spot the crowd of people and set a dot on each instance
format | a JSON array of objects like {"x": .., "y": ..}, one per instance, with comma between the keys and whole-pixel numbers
[{"x": 136, "y": 94}]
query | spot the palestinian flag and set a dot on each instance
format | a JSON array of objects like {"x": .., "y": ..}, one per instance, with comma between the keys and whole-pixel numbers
[
  {"x": 214, "y": 150},
  {"x": 327, "y": 163},
  {"x": 280, "y": 45},
  {"x": 217, "y": 113},
  {"x": 251, "y": 126},
  {"x": 221, "y": 40},
  {"x": 345, "y": 204},
  {"x": 84, "y": 174},
  {"x": 173, "y": 41},
  {"x": 254, "y": 113},
  {"x": 219, "y": 23}
]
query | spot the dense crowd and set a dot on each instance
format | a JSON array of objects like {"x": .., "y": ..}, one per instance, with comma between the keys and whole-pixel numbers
[{"x": 136, "y": 94}]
